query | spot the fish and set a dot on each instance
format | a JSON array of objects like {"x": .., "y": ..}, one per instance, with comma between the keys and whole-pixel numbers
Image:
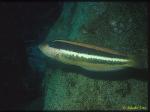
[{"x": 87, "y": 56}]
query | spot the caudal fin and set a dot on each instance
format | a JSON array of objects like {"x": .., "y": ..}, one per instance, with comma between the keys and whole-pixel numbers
[{"x": 139, "y": 61}]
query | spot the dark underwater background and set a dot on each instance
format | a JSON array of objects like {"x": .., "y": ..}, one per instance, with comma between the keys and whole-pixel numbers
[{"x": 31, "y": 81}]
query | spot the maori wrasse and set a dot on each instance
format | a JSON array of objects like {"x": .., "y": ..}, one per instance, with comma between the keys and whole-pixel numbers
[{"x": 86, "y": 56}]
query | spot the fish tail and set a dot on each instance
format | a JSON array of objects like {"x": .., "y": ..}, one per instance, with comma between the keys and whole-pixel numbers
[{"x": 138, "y": 61}]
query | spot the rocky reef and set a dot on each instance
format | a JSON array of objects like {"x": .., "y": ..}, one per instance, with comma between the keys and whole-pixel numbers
[{"x": 121, "y": 26}]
